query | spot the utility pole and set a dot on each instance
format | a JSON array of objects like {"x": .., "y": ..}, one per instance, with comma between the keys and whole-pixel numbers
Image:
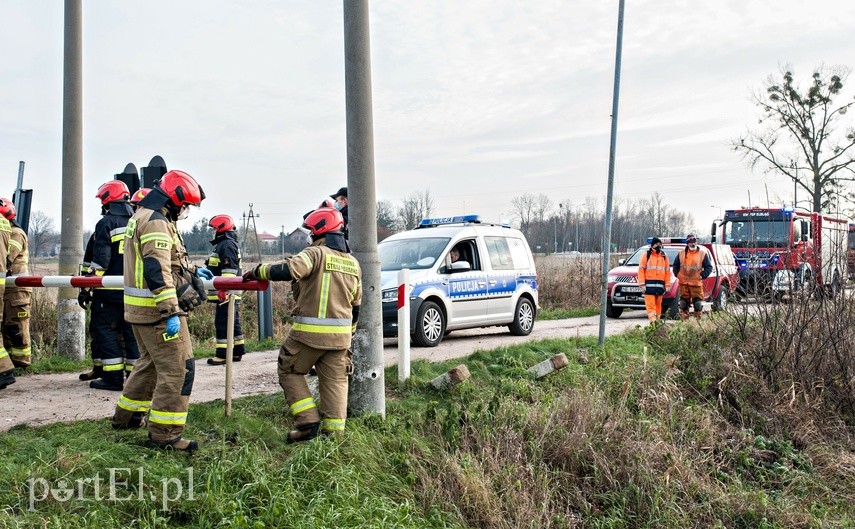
[
  {"x": 607, "y": 228},
  {"x": 70, "y": 318},
  {"x": 282, "y": 239},
  {"x": 367, "y": 386}
]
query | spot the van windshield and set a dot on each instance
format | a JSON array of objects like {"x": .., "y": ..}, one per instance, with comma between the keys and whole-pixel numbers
[{"x": 413, "y": 254}]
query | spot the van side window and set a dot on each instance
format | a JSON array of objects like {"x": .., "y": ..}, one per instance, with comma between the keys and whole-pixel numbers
[
  {"x": 500, "y": 253},
  {"x": 467, "y": 251},
  {"x": 507, "y": 253}
]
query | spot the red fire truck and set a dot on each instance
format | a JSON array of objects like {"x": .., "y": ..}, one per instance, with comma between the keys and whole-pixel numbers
[{"x": 783, "y": 251}]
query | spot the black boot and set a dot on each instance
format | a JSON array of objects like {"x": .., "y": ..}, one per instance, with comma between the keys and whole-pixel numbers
[
  {"x": 178, "y": 444},
  {"x": 113, "y": 381},
  {"x": 6, "y": 379},
  {"x": 217, "y": 361},
  {"x": 304, "y": 432},
  {"x": 137, "y": 421},
  {"x": 96, "y": 372}
]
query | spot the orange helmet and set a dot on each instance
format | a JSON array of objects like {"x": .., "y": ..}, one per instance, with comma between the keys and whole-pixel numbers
[
  {"x": 7, "y": 208},
  {"x": 139, "y": 194},
  {"x": 324, "y": 220},
  {"x": 112, "y": 191},
  {"x": 181, "y": 188},
  {"x": 222, "y": 223}
]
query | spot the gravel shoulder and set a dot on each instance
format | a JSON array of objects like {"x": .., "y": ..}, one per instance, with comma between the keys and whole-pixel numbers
[{"x": 38, "y": 400}]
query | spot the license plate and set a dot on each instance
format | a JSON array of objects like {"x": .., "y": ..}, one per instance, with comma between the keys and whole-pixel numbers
[{"x": 635, "y": 290}]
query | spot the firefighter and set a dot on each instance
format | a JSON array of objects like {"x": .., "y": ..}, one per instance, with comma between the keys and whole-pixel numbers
[
  {"x": 224, "y": 261},
  {"x": 114, "y": 348},
  {"x": 138, "y": 195},
  {"x": 7, "y": 368},
  {"x": 16, "y": 300},
  {"x": 654, "y": 277},
  {"x": 325, "y": 316},
  {"x": 691, "y": 266},
  {"x": 161, "y": 287}
]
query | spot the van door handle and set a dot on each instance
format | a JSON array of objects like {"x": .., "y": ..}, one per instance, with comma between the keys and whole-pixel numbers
[{"x": 445, "y": 283}]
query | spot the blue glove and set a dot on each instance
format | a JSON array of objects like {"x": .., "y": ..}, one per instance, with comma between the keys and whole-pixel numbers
[
  {"x": 204, "y": 273},
  {"x": 173, "y": 325}
]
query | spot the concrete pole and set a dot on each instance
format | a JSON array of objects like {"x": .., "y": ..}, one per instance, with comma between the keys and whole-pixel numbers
[
  {"x": 367, "y": 392},
  {"x": 70, "y": 339},
  {"x": 607, "y": 224}
]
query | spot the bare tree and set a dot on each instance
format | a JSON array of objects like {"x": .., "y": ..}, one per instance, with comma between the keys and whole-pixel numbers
[
  {"x": 801, "y": 134},
  {"x": 542, "y": 207},
  {"x": 386, "y": 219},
  {"x": 40, "y": 233},
  {"x": 414, "y": 208},
  {"x": 522, "y": 209}
]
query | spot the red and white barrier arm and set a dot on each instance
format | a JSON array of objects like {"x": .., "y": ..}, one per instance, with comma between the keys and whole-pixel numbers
[{"x": 218, "y": 283}]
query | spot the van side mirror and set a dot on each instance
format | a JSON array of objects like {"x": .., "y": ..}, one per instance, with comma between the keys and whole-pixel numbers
[
  {"x": 805, "y": 230},
  {"x": 713, "y": 231},
  {"x": 621, "y": 262},
  {"x": 459, "y": 266}
]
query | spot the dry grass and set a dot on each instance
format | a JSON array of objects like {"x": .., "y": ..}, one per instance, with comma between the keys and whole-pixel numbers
[{"x": 566, "y": 283}]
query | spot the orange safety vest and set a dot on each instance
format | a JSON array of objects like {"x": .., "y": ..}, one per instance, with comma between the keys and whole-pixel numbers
[
  {"x": 655, "y": 270},
  {"x": 691, "y": 266}
]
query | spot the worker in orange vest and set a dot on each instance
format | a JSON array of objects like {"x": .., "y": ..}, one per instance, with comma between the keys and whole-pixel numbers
[
  {"x": 691, "y": 266},
  {"x": 654, "y": 278}
]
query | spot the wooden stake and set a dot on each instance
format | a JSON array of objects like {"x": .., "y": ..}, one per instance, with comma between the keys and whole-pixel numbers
[{"x": 230, "y": 345}]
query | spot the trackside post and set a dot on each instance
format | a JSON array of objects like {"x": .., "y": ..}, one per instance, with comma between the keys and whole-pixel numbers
[{"x": 403, "y": 325}]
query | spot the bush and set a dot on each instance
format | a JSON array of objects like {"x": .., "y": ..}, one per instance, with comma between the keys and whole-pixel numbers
[{"x": 781, "y": 369}]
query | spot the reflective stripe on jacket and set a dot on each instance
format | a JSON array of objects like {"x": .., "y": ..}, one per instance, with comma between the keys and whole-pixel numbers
[
  {"x": 328, "y": 285},
  {"x": 691, "y": 267},
  {"x": 108, "y": 241},
  {"x": 654, "y": 270},
  {"x": 224, "y": 260},
  {"x": 153, "y": 251},
  {"x": 18, "y": 258}
]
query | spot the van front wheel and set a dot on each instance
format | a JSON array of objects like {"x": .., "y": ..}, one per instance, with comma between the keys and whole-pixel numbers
[
  {"x": 523, "y": 318},
  {"x": 430, "y": 325}
]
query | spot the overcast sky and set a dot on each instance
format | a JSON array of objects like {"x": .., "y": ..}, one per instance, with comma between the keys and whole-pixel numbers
[{"x": 476, "y": 101}]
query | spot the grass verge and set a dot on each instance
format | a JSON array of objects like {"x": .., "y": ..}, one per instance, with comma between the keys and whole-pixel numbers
[{"x": 616, "y": 439}]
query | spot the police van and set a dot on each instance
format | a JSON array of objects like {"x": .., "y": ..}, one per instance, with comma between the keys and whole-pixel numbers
[{"x": 463, "y": 274}]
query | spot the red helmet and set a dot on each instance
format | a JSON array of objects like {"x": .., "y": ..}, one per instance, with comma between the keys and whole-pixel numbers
[
  {"x": 324, "y": 220},
  {"x": 7, "y": 208},
  {"x": 111, "y": 191},
  {"x": 181, "y": 188},
  {"x": 222, "y": 223},
  {"x": 139, "y": 195}
]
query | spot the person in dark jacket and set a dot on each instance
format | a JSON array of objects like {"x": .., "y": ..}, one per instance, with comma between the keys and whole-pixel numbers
[
  {"x": 114, "y": 348},
  {"x": 224, "y": 261},
  {"x": 340, "y": 198},
  {"x": 691, "y": 266}
]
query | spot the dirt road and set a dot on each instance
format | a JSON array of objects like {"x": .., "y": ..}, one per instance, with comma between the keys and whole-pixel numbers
[{"x": 43, "y": 399}]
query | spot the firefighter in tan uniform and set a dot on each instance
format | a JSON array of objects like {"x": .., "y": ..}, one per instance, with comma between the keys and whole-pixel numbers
[
  {"x": 160, "y": 288},
  {"x": 16, "y": 300},
  {"x": 328, "y": 295},
  {"x": 691, "y": 266},
  {"x": 7, "y": 368}
]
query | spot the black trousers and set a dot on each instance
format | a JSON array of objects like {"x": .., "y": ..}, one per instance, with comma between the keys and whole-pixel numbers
[
  {"x": 114, "y": 346},
  {"x": 221, "y": 320}
]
